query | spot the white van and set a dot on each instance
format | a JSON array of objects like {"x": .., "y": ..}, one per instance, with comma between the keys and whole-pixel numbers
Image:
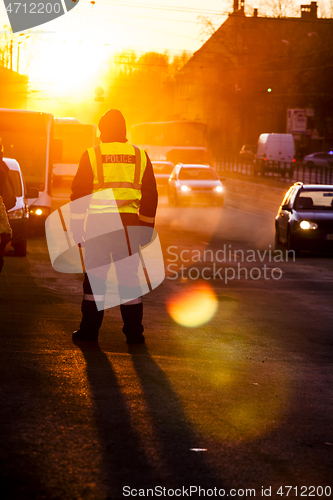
[
  {"x": 275, "y": 153},
  {"x": 19, "y": 215}
]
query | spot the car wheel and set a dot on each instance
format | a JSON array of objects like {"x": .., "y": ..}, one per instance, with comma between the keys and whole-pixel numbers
[
  {"x": 310, "y": 165},
  {"x": 20, "y": 248}
]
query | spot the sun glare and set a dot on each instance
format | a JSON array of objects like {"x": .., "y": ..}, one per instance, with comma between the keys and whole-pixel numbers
[
  {"x": 194, "y": 306},
  {"x": 65, "y": 69}
]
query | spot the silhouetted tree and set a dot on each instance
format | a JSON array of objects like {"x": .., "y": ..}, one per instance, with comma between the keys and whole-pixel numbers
[{"x": 143, "y": 85}]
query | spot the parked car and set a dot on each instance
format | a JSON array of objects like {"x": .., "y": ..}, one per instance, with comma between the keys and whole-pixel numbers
[
  {"x": 275, "y": 153},
  {"x": 162, "y": 170},
  {"x": 318, "y": 160},
  {"x": 19, "y": 215},
  {"x": 248, "y": 152},
  {"x": 305, "y": 218},
  {"x": 198, "y": 183}
]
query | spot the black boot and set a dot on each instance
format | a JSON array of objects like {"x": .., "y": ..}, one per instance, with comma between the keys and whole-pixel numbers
[
  {"x": 132, "y": 317},
  {"x": 90, "y": 323}
]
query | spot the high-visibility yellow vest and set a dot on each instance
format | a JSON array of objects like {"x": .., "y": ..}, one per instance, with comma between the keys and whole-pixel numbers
[{"x": 118, "y": 170}]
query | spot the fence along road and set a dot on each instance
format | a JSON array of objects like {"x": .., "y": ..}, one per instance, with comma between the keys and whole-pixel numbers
[{"x": 281, "y": 170}]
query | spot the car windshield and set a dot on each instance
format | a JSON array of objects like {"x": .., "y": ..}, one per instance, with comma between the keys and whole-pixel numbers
[
  {"x": 202, "y": 174},
  {"x": 162, "y": 168},
  {"x": 315, "y": 200}
]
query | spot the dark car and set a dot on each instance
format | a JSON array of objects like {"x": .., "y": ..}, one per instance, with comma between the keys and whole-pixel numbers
[
  {"x": 248, "y": 152},
  {"x": 195, "y": 183},
  {"x": 305, "y": 218}
]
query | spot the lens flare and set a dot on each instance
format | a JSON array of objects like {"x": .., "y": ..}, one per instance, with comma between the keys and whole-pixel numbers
[{"x": 194, "y": 306}]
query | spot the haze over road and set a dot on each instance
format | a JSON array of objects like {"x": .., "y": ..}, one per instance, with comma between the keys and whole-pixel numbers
[{"x": 242, "y": 402}]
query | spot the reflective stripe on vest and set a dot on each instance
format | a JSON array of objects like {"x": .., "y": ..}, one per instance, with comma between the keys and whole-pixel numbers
[{"x": 118, "y": 167}]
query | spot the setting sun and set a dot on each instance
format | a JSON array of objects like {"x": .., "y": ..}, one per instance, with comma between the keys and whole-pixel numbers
[{"x": 70, "y": 70}]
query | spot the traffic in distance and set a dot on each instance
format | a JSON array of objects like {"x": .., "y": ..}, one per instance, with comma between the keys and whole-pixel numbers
[
  {"x": 75, "y": 137},
  {"x": 276, "y": 154},
  {"x": 319, "y": 159},
  {"x": 195, "y": 183},
  {"x": 174, "y": 141},
  {"x": 27, "y": 137},
  {"x": 37, "y": 149},
  {"x": 162, "y": 170}
]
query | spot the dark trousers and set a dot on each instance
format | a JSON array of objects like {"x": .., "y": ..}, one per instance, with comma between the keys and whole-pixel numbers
[{"x": 101, "y": 250}]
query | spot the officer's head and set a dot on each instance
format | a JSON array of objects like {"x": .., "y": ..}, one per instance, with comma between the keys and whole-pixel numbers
[{"x": 112, "y": 126}]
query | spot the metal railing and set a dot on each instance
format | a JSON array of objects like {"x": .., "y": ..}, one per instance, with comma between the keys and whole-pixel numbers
[{"x": 281, "y": 171}]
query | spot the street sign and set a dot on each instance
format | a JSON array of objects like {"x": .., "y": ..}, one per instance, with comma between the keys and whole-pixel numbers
[{"x": 296, "y": 121}]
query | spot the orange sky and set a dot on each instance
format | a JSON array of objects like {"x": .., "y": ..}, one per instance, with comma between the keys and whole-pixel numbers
[
  {"x": 69, "y": 53},
  {"x": 66, "y": 58}
]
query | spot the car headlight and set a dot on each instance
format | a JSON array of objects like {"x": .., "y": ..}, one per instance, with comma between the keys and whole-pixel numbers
[
  {"x": 305, "y": 224},
  {"x": 185, "y": 189},
  {"x": 38, "y": 211},
  {"x": 16, "y": 214},
  {"x": 219, "y": 189}
]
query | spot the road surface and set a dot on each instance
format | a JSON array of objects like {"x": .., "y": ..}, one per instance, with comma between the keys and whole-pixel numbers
[{"x": 239, "y": 406}]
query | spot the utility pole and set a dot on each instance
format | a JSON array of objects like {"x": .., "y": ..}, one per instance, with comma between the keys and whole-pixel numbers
[
  {"x": 18, "y": 58},
  {"x": 11, "y": 55}
]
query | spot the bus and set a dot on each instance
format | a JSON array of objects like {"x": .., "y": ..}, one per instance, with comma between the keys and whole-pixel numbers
[
  {"x": 76, "y": 137},
  {"x": 27, "y": 136},
  {"x": 175, "y": 141}
]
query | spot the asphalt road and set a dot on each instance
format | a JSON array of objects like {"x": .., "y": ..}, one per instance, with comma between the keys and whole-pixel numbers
[{"x": 239, "y": 406}]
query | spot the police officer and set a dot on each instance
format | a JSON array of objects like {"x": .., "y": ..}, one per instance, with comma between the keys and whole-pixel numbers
[
  {"x": 126, "y": 171},
  {"x": 7, "y": 201}
]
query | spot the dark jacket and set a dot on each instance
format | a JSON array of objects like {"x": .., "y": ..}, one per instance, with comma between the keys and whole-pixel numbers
[{"x": 83, "y": 185}]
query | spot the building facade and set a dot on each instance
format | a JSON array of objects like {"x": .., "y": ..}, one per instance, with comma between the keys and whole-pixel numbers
[{"x": 252, "y": 70}]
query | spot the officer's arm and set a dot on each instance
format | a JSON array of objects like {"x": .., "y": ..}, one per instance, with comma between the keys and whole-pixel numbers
[
  {"x": 148, "y": 205},
  {"x": 82, "y": 186}
]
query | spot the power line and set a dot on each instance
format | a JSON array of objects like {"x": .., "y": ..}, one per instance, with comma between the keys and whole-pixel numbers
[
  {"x": 160, "y": 7},
  {"x": 159, "y": 31},
  {"x": 155, "y": 18}
]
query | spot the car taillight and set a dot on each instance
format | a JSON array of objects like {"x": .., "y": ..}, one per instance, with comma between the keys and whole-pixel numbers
[{"x": 16, "y": 214}]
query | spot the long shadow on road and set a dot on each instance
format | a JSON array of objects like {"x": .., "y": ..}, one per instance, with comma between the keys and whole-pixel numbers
[{"x": 165, "y": 458}]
